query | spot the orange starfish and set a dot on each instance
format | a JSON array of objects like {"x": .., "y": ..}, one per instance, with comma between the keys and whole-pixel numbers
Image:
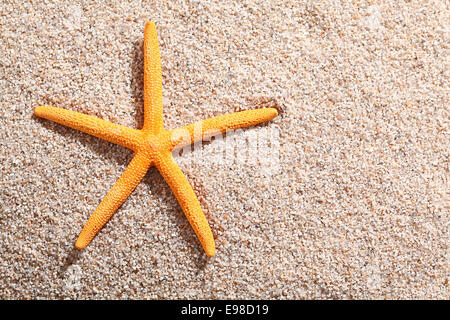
[{"x": 153, "y": 146}]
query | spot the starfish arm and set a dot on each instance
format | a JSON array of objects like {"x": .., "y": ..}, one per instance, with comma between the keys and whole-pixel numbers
[
  {"x": 120, "y": 191},
  {"x": 188, "y": 201},
  {"x": 213, "y": 126},
  {"x": 111, "y": 132},
  {"x": 153, "y": 107}
]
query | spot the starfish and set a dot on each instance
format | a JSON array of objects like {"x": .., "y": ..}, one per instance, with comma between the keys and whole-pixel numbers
[{"x": 152, "y": 146}]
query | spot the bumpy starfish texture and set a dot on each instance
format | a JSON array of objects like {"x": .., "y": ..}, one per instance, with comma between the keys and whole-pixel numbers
[{"x": 153, "y": 146}]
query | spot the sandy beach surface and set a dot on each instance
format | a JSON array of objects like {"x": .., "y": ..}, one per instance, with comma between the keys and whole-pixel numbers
[{"x": 342, "y": 196}]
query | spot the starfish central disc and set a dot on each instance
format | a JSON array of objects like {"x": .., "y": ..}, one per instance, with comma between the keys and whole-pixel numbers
[{"x": 152, "y": 144}]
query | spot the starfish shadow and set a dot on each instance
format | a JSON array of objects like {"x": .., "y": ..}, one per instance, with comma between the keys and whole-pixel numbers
[
  {"x": 102, "y": 148},
  {"x": 73, "y": 255},
  {"x": 137, "y": 82}
]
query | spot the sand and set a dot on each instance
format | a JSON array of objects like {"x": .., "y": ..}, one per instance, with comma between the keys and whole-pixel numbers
[{"x": 345, "y": 197}]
